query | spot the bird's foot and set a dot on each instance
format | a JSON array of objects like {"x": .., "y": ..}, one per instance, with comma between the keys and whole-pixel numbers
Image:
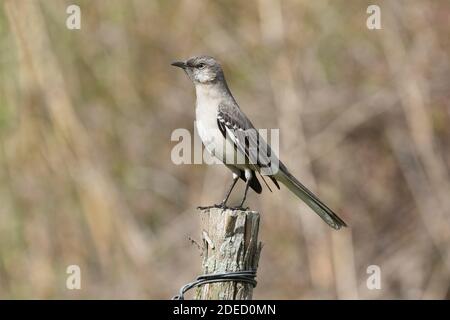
[
  {"x": 223, "y": 205},
  {"x": 241, "y": 208},
  {"x": 217, "y": 206}
]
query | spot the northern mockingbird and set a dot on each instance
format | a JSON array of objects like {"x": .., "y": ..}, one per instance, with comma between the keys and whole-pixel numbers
[{"x": 229, "y": 136}]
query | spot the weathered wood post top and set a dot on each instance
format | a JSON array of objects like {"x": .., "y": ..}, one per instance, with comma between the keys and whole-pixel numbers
[{"x": 230, "y": 244}]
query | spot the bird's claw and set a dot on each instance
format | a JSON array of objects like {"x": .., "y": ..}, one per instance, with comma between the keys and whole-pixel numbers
[
  {"x": 241, "y": 208},
  {"x": 222, "y": 205},
  {"x": 217, "y": 206}
]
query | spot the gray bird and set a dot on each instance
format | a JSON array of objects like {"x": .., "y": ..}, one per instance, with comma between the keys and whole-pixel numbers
[{"x": 229, "y": 136}]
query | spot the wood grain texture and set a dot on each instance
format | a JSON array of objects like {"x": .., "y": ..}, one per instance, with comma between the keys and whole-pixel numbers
[{"x": 230, "y": 243}]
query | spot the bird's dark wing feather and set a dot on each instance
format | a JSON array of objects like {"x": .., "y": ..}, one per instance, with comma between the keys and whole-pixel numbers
[
  {"x": 234, "y": 125},
  {"x": 253, "y": 183}
]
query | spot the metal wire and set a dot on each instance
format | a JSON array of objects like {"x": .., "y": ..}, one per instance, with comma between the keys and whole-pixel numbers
[{"x": 237, "y": 276}]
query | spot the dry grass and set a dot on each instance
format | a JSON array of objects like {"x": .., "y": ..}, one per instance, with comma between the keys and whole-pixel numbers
[{"x": 364, "y": 118}]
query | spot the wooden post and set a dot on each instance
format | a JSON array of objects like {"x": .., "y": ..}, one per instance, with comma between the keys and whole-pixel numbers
[{"x": 230, "y": 243}]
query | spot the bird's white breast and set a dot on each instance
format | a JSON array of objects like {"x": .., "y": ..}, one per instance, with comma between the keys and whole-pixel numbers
[{"x": 208, "y": 100}]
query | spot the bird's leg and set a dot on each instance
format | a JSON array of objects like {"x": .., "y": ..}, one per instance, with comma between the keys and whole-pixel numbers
[
  {"x": 241, "y": 206},
  {"x": 223, "y": 204},
  {"x": 235, "y": 179},
  {"x": 248, "y": 176}
]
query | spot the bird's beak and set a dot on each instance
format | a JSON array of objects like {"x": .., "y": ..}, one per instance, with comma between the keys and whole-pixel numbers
[{"x": 179, "y": 64}]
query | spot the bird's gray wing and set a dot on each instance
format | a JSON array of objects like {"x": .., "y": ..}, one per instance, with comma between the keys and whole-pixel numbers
[{"x": 235, "y": 125}]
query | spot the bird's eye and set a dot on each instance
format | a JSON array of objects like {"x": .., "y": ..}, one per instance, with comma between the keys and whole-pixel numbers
[{"x": 201, "y": 65}]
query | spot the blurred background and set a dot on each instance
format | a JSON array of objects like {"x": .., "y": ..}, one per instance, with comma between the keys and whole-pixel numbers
[{"x": 86, "y": 118}]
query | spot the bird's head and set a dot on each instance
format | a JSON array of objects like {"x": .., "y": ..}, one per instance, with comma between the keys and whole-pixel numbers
[{"x": 201, "y": 69}]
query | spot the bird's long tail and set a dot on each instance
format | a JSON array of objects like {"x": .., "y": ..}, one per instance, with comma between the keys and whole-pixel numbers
[{"x": 310, "y": 199}]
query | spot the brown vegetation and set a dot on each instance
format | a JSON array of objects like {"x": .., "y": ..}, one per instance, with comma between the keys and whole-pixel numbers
[{"x": 85, "y": 124}]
